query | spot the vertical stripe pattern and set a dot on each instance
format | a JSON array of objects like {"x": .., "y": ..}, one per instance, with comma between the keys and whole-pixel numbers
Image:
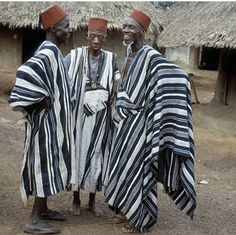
[
  {"x": 91, "y": 114},
  {"x": 153, "y": 141},
  {"x": 48, "y": 145}
]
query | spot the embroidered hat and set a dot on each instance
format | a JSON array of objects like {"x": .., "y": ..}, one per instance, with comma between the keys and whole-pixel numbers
[
  {"x": 52, "y": 16},
  {"x": 141, "y": 18},
  {"x": 97, "y": 23}
]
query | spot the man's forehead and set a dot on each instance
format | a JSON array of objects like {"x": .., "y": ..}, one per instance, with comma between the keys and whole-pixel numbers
[
  {"x": 63, "y": 22},
  {"x": 96, "y": 31},
  {"x": 131, "y": 21}
]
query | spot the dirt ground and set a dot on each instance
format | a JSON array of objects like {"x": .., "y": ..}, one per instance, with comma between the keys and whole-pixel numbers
[{"x": 215, "y": 139}]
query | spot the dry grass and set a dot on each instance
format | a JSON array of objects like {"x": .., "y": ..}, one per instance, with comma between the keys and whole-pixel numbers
[
  {"x": 18, "y": 15},
  {"x": 210, "y": 24}
]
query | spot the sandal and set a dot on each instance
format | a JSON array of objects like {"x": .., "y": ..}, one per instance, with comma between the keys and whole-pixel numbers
[
  {"x": 117, "y": 219},
  {"x": 130, "y": 229},
  {"x": 41, "y": 228},
  {"x": 53, "y": 215}
]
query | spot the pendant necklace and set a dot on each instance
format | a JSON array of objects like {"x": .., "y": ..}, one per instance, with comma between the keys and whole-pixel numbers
[{"x": 94, "y": 83}]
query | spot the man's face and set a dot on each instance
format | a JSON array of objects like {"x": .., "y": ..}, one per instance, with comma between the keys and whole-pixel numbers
[
  {"x": 96, "y": 38},
  {"x": 131, "y": 31},
  {"x": 63, "y": 31}
]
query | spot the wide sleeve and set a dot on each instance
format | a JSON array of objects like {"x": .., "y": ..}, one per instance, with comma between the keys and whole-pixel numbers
[{"x": 31, "y": 82}]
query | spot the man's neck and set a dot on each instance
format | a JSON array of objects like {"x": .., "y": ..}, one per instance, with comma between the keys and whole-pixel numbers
[
  {"x": 94, "y": 53},
  {"x": 135, "y": 47},
  {"x": 51, "y": 38}
]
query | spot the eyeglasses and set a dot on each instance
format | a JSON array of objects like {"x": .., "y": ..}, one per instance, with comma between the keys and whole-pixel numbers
[{"x": 99, "y": 37}]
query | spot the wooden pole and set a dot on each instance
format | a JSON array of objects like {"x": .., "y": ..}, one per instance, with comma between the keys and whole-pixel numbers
[{"x": 193, "y": 89}]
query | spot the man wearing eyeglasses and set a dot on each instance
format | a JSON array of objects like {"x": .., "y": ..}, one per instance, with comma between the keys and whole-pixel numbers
[{"x": 93, "y": 72}]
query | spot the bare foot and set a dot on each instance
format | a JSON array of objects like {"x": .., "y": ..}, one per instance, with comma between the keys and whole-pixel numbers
[
  {"x": 75, "y": 209},
  {"x": 96, "y": 210}
]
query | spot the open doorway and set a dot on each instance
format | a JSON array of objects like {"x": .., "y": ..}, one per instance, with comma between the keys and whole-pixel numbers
[
  {"x": 209, "y": 58},
  {"x": 32, "y": 38}
]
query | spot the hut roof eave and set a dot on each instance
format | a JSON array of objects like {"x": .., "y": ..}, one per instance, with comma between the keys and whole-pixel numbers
[
  {"x": 210, "y": 24},
  {"x": 25, "y": 14}
]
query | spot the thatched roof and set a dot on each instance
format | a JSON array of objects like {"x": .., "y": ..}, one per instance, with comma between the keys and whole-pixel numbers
[
  {"x": 25, "y": 14},
  {"x": 210, "y": 24}
]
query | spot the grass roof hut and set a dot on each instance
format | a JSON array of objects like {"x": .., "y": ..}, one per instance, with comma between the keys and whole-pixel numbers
[
  {"x": 208, "y": 24},
  {"x": 19, "y": 22}
]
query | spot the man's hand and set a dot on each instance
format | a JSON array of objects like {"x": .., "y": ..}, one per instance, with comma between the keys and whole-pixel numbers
[{"x": 43, "y": 104}]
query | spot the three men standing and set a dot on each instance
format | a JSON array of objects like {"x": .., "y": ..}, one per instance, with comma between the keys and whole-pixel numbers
[{"x": 153, "y": 140}]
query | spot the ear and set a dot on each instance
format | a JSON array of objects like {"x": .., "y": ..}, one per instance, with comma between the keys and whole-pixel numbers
[
  {"x": 87, "y": 36},
  {"x": 105, "y": 37},
  {"x": 142, "y": 33},
  {"x": 53, "y": 28}
]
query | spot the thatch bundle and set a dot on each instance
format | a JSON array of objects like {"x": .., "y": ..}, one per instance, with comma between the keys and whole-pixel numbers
[
  {"x": 25, "y": 14},
  {"x": 210, "y": 24}
]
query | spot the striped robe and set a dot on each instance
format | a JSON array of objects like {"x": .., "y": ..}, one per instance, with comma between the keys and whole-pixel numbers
[
  {"x": 91, "y": 116},
  {"x": 153, "y": 140},
  {"x": 48, "y": 144}
]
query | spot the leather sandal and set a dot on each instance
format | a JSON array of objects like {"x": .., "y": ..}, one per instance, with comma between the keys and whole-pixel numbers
[
  {"x": 53, "y": 215},
  {"x": 130, "y": 229},
  {"x": 117, "y": 219},
  {"x": 41, "y": 228}
]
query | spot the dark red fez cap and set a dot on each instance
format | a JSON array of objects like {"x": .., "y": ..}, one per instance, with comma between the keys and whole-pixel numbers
[
  {"x": 97, "y": 23},
  {"x": 141, "y": 18},
  {"x": 52, "y": 16}
]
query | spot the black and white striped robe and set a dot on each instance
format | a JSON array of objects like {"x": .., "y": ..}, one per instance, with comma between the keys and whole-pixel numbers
[
  {"x": 91, "y": 116},
  {"x": 153, "y": 141},
  {"x": 48, "y": 144}
]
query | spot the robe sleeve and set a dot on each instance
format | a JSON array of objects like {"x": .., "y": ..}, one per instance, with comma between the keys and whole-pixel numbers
[{"x": 30, "y": 85}]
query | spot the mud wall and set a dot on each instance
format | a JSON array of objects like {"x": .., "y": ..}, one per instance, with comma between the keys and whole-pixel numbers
[
  {"x": 183, "y": 55},
  {"x": 10, "y": 48}
]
